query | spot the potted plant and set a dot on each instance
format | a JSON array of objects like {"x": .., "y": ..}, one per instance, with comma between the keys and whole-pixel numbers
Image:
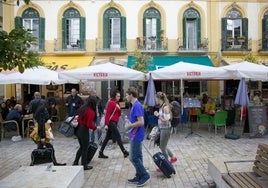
[
  {"x": 241, "y": 39},
  {"x": 230, "y": 39}
]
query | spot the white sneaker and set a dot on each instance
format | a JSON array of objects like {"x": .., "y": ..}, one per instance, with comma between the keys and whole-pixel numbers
[{"x": 16, "y": 138}]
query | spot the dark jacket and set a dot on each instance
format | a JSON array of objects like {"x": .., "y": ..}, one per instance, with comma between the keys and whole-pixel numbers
[
  {"x": 41, "y": 116},
  {"x": 13, "y": 115},
  {"x": 72, "y": 110},
  {"x": 34, "y": 104}
]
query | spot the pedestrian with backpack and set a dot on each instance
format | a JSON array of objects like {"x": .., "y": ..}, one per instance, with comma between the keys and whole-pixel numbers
[{"x": 176, "y": 112}]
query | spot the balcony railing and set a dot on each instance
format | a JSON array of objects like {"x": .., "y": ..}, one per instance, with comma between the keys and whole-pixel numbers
[
  {"x": 152, "y": 44},
  {"x": 193, "y": 46},
  {"x": 69, "y": 46},
  {"x": 115, "y": 46},
  {"x": 234, "y": 44},
  {"x": 263, "y": 45}
]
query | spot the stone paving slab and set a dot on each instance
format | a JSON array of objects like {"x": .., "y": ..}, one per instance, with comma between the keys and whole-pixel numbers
[{"x": 192, "y": 152}]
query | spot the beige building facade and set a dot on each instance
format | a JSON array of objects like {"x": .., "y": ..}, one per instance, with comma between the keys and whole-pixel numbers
[{"x": 97, "y": 31}]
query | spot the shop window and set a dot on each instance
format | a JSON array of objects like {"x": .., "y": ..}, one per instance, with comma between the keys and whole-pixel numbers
[{"x": 69, "y": 87}]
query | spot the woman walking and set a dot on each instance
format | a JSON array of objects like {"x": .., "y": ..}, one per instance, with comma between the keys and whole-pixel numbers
[
  {"x": 164, "y": 118},
  {"x": 86, "y": 119},
  {"x": 112, "y": 115}
]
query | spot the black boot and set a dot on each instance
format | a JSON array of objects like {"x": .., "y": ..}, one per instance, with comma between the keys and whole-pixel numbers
[
  {"x": 60, "y": 164},
  {"x": 88, "y": 167},
  {"x": 101, "y": 155},
  {"x": 126, "y": 154}
]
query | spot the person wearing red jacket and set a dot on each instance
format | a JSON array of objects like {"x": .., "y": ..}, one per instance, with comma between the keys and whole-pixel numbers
[
  {"x": 112, "y": 115},
  {"x": 86, "y": 119}
]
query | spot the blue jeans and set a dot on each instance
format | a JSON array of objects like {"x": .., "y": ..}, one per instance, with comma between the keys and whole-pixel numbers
[
  {"x": 92, "y": 134},
  {"x": 135, "y": 156}
]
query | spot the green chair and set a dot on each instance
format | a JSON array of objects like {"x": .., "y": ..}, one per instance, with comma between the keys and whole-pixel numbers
[
  {"x": 219, "y": 120},
  {"x": 203, "y": 118}
]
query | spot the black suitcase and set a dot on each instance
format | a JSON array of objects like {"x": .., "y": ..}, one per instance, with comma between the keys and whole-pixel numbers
[
  {"x": 164, "y": 165},
  {"x": 40, "y": 156},
  {"x": 92, "y": 148}
]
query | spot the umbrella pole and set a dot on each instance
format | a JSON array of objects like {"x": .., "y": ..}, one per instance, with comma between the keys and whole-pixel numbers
[
  {"x": 173, "y": 88},
  {"x": 181, "y": 93}
]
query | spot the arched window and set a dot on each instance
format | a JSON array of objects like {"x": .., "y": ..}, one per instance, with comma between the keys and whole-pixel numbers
[
  {"x": 265, "y": 31},
  {"x": 73, "y": 30},
  {"x": 152, "y": 28},
  {"x": 234, "y": 30},
  {"x": 114, "y": 29},
  {"x": 31, "y": 20},
  {"x": 191, "y": 29}
]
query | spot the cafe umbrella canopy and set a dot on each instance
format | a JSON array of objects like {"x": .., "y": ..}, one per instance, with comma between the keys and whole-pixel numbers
[
  {"x": 102, "y": 72},
  {"x": 37, "y": 75}
]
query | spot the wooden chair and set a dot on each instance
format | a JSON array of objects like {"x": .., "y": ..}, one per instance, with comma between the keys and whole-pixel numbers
[
  {"x": 219, "y": 120},
  {"x": 3, "y": 129}
]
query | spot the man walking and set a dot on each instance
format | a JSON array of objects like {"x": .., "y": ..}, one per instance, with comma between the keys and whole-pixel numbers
[
  {"x": 136, "y": 135},
  {"x": 99, "y": 114}
]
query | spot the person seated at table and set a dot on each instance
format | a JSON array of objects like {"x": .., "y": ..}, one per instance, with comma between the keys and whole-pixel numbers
[
  {"x": 15, "y": 114},
  {"x": 210, "y": 107},
  {"x": 4, "y": 110}
]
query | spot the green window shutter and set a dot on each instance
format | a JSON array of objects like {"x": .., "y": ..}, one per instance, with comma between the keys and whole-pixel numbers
[
  {"x": 198, "y": 22},
  {"x": 18, "y": 21},
  {"x": 245, "y": 31},
  {"x": 224, "y": 33},
  {"x": 82, "y": 32},
  {"x": 264, "y": 33},
  {"x": 106, "y": 33},
  {"x": 144, "y": 27},
  {"x": 41, "y": 34},
  {"x": 158, "y": 30},
  {"x": 64, "y": 30},
  {"x": 184, "y": 32},
  {"x": 123, "y": 32}
]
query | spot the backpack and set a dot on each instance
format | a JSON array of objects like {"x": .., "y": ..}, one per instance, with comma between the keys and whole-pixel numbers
[{"x": 176, "y": 109}]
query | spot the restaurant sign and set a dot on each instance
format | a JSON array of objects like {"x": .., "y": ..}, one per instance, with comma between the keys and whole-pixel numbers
[
  {"x": 100, "y": 74},
  {"x": 193, "y": 73}
]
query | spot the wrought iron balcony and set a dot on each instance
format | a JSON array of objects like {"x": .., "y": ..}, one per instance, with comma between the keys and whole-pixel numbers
[
  {"x": 192, "y": 45},
  {"x": 69, "y": 45},
  {"x": 152, "y": 44},
  {"x": 236, "y": 44},
  {"x": 110, "y": 45}
]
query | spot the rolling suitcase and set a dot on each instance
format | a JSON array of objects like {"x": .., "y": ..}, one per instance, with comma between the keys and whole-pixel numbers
[
  {"x": 92, "y": 148},
  {"x": 163, "y": 163}
]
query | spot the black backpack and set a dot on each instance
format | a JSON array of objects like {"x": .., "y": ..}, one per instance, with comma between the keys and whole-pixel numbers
[{"x": 176, "y": 109}]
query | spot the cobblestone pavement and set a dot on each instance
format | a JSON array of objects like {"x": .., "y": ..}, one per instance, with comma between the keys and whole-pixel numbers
[{"x": 192, "y": 152}]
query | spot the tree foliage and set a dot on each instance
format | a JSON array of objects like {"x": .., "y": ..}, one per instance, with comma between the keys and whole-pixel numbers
[
  {"x": 251, "y": 58},
  {"x": 15, "y": 50},
  {"x": 142, "y": 61}
]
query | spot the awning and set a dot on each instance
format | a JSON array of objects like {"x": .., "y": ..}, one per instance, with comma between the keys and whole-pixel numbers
[
  {"x": 66, "y": 62},
  {"x": 163, "y": 61},
  {"x": 231, "y": 60}
]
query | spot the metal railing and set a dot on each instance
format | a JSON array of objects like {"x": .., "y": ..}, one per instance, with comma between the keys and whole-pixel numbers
[
  {"x": 194, "y": 47},
  {"x": 233, "y": 44},
  {"x": 71, "y": 45},
  {"x": 110, "y": 46},
  {"x": 152, "y": 44}
]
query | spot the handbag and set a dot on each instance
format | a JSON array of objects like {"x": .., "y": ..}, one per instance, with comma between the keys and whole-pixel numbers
[
  {"x": 66, "y": 128},
  {"x": 49, "y": 135},
  {"x": 43, "y": 155}
]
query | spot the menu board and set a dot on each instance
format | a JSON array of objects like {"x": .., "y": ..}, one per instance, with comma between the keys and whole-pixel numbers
[
  {"x": 191, "y": 103},
  {"x": 257, "y": 118}
]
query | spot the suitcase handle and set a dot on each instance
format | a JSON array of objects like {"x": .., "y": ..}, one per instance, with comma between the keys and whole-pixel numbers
[{"x": 147, "y": 150}]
